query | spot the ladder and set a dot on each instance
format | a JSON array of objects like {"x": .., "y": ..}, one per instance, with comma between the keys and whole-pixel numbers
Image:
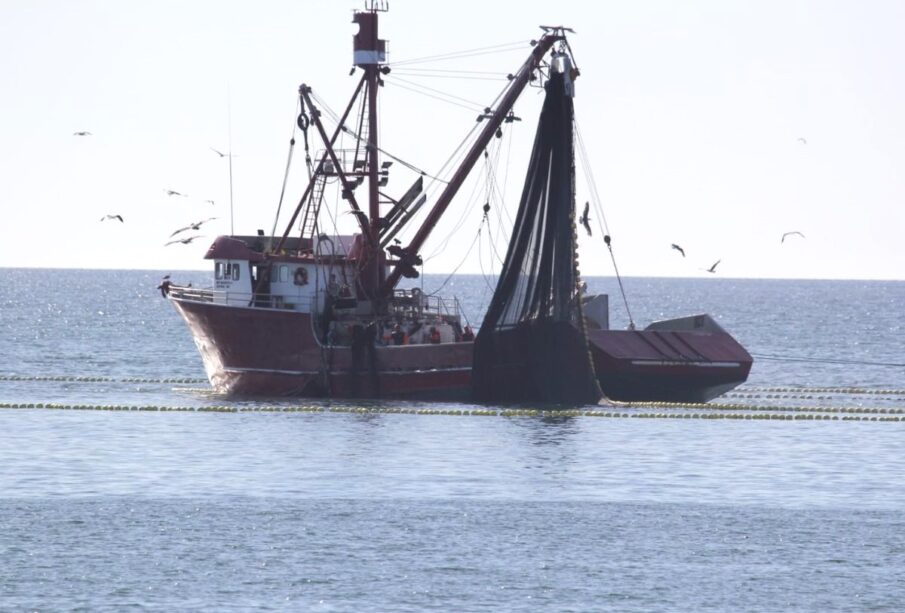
[{"x": 308, "y": 224}]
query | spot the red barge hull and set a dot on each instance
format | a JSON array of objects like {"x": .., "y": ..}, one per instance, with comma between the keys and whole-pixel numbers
[{"x": 682, "y": 360}]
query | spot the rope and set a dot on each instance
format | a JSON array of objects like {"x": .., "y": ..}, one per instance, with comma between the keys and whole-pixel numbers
[
  {"x": 751, "y": 413},
  {"x": 90, "y": 379},
  {"x": 440, "y": 70},
  {"x": 467, "y": 53},
  {"x": 602, "y": 223},
  {"x": 459, "y": 265},
  {"x": 414, "y": 87},
  {"x": 408, "y": 165},
  {"x": 460, "y": 222},
  {"x": 631, "y": 322},
  {"x": 779, "y": 358},
  {"x": 826, "y": 390},
  {"x": 276, "y": 218},
  {"x": 465, "y": 77},
  {"x": 490, "y": 286}
]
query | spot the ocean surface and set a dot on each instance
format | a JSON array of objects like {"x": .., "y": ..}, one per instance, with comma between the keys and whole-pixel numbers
[{"x": 785, "y": 495}]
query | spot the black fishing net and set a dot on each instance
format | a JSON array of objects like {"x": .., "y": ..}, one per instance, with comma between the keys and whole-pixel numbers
[{"x": 532, "y": 344}]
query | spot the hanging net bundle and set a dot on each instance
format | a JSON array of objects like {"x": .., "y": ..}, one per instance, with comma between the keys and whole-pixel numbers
[{"x": 532, "y": 346}]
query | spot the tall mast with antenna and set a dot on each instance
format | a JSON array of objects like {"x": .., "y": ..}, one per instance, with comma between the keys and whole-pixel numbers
[
  {"x": 369, "y": 52},
  {"x": 229, "y": 143}
]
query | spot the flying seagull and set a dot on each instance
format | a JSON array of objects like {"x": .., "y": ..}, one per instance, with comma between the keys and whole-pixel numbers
[
  {"x": 184, "y": 241},
  {"x": 713, "y": 268},
  {"x": 679, "y": 249},
  {"x": 802, "y": 140},
  {"x": 211, "y": 201},
  {"x": 362, "y": 217},
  {"x": 220, "y": 153},
  {"x": 585, "y": 220},
  {"x": 119, "y": 217},
  {"x": 82, "y": 133},
  {"x": 192, "y": 226},
  {"x": 794, "y": 232},
  {"x": 173, "y": 192}
]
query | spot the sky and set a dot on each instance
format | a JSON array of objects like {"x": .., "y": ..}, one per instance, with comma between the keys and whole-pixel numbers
[{"x": 714, "y": 125}]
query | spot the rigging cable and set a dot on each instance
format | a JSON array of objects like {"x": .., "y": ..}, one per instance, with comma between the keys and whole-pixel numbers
[
  {"x": 460, "y": 152},
  {"x": 359, "y": 139},
  {"x": 448, "y": 71},
  {"x": 459, "y": 265},
  {"x": 408, "y": 165},
  {"x": 420, "y": 75},
  {"x": 788, "y": 358},
  {"x": 501, "y": 48},
  {"x": 463, "y": 217},
  {"x": 493, "y": 190},
  {"x": 276, "y": 218},
  {"x": 604, "y": 227},
  {"x": 437, "y": 95},
  {"x": 484, "y": 275}
]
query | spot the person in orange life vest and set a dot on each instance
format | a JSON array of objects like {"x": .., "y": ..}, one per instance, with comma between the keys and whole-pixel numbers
[{"x": 434, "y": 335}]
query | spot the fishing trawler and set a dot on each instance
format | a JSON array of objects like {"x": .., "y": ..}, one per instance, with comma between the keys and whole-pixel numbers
[{"x": 313, "y": 312}]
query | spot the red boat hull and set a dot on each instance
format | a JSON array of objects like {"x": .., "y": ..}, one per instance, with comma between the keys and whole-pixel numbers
[{"x": 274, "y": 352}]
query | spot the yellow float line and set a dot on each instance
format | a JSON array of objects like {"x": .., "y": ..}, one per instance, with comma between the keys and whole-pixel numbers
[
  {"x": 753, "y": 413},
  {"x": 824, "y": 390},
  {"x": 86, "y": 379},
  {"x": 720, "y": 406},
  {"x": 805, "y": 393}
]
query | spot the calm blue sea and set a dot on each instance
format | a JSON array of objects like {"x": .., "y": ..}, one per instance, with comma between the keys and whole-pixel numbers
[{"x": 343, "y": 510}]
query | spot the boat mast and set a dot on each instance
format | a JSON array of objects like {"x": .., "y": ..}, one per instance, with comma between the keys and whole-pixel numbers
[
  {"x": 369, "y": 54},
  {"x": 495, "y": 119}
]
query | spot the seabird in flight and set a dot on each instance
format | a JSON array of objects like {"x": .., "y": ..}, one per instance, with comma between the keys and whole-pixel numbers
[
  {"x": 82, "y": 133},
  {"x": 585, "y": 220},
  {"x": 362, "y": 217},
  {"x": 192, "y": 226},
  {"x": 184, "y": 241},
  {"x": 679, "y": 249},
  {"x": 802, "y": 140},
  {"x": 119, "y": 217},
  {"x": 794, "y": 232},
  {"x": 713, "y": 268},
  {"x": 173, "y": 192},
  {"x": 220, "y": 153}
]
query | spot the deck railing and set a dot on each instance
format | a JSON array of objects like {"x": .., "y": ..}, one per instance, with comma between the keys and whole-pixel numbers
[
  {"x": 273, "y": 301},
  {"x": 410, "y": 303}
]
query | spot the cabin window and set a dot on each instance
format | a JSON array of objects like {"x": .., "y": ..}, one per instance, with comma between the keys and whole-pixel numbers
[
  {"x": 218, "y": 270},
  {"x": 284, "y": 274},
  {"x": 235, "y": 272}
]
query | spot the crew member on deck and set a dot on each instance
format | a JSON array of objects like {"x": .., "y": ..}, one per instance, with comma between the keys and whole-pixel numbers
[
  {"x": 398, "y": 335},
  {"x": 467, "y": 334},
  {"x": 333, "y": 287},
  {"x": 434, "y": 336}
]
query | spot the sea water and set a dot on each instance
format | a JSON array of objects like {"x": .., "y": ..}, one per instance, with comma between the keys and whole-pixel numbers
[{"x": 375, "y": 507}]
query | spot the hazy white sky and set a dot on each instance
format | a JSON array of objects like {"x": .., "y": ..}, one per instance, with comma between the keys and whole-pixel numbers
[{"x": 691, "y": 113}]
